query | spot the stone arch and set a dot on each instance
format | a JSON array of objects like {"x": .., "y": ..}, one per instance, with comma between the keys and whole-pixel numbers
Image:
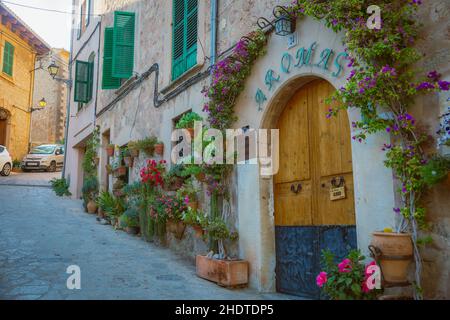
[{"x": 5, "y": 119}]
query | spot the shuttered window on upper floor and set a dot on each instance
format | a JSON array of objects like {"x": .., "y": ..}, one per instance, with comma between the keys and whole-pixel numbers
[
  {"x": 84, "y": 81},
  {"x": 184, "y": 36},
  {"x": 8, "y": 58},
  {"x": 123, "y": 45},
  {"x": 108, "y": 81}
]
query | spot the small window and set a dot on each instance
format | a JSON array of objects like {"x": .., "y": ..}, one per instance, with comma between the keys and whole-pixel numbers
[
  {"x": 8, "y": 59},
  {"x": 83, "y": 81}
]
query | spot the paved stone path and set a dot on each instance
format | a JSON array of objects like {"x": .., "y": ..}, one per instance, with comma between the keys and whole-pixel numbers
[
  {"x": 41, "y": 235},
  {"x": 29, "y": 178}
]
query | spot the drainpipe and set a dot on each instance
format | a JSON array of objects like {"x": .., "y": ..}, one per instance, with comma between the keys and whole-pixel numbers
[
  {"x": 69, "y": 94},
  {"x": 214, "y": 14}
]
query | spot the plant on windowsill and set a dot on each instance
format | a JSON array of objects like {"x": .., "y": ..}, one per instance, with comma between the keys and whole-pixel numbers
[
  {"x": 133, "y": 147},
  {"x": 187, "y": 122},
  {"x": 147, "y": 145}
]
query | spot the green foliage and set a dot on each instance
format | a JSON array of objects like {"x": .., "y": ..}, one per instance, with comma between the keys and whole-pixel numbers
[
  {"x": 346, "y": 280},
  {"x": 436, "y": 170},
  {"x": 131, "y": 218},
  {"x": 90, "y": 187},
  {"x": 147, "y": 145},
  {"x": 187, "y": 121},
  {"x": 188, "y": 190},
  {"x": 16, "y": 163},
  {"x": 88, "y": 163},
  {"x": 61, "y": 187},
  {"x": 193, "y": 217},
  {"x": 218, "y": 230},
  {"x": 112, "y": 206}
]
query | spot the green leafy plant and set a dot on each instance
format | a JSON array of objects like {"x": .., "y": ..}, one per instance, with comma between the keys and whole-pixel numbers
[
  {"x": 61, "y": 187},
  {"x": 16, "y": 163},
  {"x": 218, "y": 230},
  {"x": 147, "y": 145},
  {"x": 188, "y": 120},
  {"x": 347, "y": 280},
  {"x": 90, "y": 188},
  {"x": 188, "y": 192},
  {"x": 131, "y": 218},
  {"x": 106, "y": 202},
  {"x": 193, "y": 217},
  {"x": 436, "y": 170}
]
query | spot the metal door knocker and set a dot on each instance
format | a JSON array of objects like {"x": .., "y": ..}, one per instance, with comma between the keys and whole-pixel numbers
[
  {"x": 337, "y": 191},
  {"x": 338, "y": 183},
  {"x": 297, "y": 189}
]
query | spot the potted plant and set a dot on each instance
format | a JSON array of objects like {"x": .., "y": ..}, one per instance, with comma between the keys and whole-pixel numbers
[
  {"x": 117, "y": 188},
  {"x": 127, "y": 158},
  {"x": 130, "y": 220},
  {"x": 109, "y": 169},
  {"x": 90, "y": 192},
  {"x": 394, "y": 251},
  {"x": 147, "y": 145},
  {"x": 173, "y": 180},
  {"x": 110, "y": 150},
  {"x": 225, "y": 272},
  {"x": 16, "y": 166},
  {"x": 187, "y": 122},
  {"x": 169, "y": 209},
  {"x": 197, "y": 220},
  {"x": 133, "y": 147},
  {"x": 189, "y": 194},
  {"x": 349, "y": 279},
  {"x": 194, "y": 170},
  {"x": 159, "y": 148}
]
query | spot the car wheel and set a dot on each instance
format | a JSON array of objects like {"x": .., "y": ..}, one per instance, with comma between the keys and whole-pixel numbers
[
  {"x": 52, "y": 167},
  {"x": 6, "y": 171}
]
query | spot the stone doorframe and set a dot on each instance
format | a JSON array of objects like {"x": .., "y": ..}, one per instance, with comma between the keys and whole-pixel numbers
[
  {"x": 6, "y": 116},
  {"x": 373, "y": 183}
]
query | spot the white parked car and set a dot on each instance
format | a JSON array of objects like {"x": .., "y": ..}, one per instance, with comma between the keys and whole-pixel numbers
[
  {"x": 47, "y": 157},
  {"x": 5, "y": 162}
]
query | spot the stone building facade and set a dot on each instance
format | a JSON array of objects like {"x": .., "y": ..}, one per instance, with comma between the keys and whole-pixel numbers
[
  {"x": 47, "y": 125},
  {"x": 149, "y": 102},
  {"x": 20, "y": 48}
]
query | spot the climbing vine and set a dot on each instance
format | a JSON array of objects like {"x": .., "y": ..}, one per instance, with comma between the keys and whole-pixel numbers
[{"x": 383, "y": 84}]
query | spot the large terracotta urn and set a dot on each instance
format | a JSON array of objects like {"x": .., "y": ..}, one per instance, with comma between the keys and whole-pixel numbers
[{"x": 395, "y": 252}]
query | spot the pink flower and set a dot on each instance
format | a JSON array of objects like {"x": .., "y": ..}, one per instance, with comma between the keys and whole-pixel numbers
[
  {"x": 345, "y": 266},
  {"x": 321, "y": 279},
  {"x": 367, "y": 273},
  {"x": 186, "y": 200}
]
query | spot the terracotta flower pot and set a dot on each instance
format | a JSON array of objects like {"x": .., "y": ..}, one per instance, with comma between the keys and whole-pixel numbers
[
  {"x": 92, "y": 207},
  {"x": 201, "y": 177},
  {"x": 132, "y": 230},
  {"x": 128, "y": 161},
  {"x": 227, "y": 273},
  {"x": 199, "y": 232},
  {"x": 134, "y": 153},
  {"x": 121, "y": 171},
  {"x": 191, "y": 132},
  {"x": 159, "y": 149},
  {"x": 396, "y": 251},
  {"x": 110, "y": 151},
  {"x": 193, "y": 205},
  {"x": 177, "y": 228}
]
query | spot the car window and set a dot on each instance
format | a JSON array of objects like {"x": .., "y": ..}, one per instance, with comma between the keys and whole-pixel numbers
[
  {"x": 43, "y": 150},
  {"x": 1, "y": 149}
]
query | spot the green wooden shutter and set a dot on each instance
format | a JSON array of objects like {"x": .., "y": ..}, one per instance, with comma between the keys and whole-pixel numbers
[
  {"x": 191, "y": 33},
  {"x": 123, "y": 45},
  {"x": 90, "y": 81},
  {"x": 108, "y": 81},
  {"x": 8, "y": 58},
  {"x": 82, "y": 82},
  {"x": 184, "y": 36}
]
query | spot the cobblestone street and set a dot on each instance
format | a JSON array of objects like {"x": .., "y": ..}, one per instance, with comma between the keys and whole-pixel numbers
[{"x": 41, "y": 235}]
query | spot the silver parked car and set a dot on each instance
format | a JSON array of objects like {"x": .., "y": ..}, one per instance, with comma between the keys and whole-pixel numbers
[{"x": 46, "y": 157}]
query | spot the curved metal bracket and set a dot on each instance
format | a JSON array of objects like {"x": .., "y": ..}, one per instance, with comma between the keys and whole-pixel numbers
[
  {"x": 280, "y": 11},
  {"x": 263, "y": 23},
  {"x": 296, "y": 189}
]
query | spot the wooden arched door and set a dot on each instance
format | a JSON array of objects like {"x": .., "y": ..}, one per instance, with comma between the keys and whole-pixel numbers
[{"x": 310, "y": 214}]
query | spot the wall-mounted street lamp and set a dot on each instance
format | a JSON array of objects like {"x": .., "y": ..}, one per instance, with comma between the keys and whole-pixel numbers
[
  {"x": 285, "y": 23},
  {"x": 53, "y": 70},
  {"x": 42, "y": 105}
]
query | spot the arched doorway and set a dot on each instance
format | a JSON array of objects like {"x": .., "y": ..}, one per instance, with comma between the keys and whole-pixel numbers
[
  {"x": 310, "y": 213},
  {"x": 4, "y": 117}
]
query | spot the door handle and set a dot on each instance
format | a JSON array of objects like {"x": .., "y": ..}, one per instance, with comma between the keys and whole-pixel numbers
[{"x": 296, "y": 189}]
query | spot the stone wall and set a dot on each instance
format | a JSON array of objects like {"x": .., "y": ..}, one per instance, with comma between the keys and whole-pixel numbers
[{"x": 47, "y": 125}]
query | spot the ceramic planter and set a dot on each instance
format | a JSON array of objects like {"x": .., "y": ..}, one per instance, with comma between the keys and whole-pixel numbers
[
  {"x": 177, "y": 228},
  {"x": 110, "y": 151},
  {"x": 92, "y": 207},
  {"x": 132, "y": 230},
  {"x": 226, "y": 273},
  {"x": 121, "y": 171},
  {"x": 395, "y": 252},
  {"x": 193, "y": 205},
  {"x": 159, "y": 149}
]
